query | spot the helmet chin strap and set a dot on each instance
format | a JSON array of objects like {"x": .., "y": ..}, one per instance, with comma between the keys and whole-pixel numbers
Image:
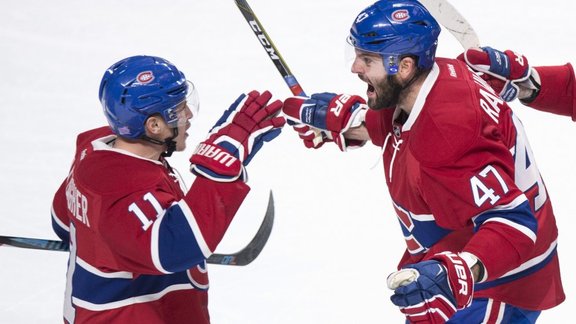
[{"x": 168, "y": 142}]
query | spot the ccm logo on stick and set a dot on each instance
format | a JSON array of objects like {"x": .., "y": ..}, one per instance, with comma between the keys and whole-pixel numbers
[{"x": 263, "y": 40}]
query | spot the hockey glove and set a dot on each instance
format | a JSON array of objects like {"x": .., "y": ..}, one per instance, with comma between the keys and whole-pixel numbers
[
  {"x": 432, "y": 291},
  {"x": 331, "y": 113},
  {"x": 507, "y": 72},
  {"x": 237, "y": 136},
  {"x": 312, "y": 137}
]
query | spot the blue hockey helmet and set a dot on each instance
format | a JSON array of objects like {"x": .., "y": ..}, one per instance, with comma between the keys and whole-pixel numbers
[
  {"x": 395, "y": 29},
  {"x": 138, "y": 87}
]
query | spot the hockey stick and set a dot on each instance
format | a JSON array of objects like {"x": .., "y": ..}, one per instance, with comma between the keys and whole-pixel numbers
[
  {"x": 270, "y": 48},
  {"x": 240, "y": 258},
  {"x": 253, "y": 249},
  {"x": 34, "y": 243},
  {"x": 274, "y": 55},
  {"x": 445, "y": 13}
]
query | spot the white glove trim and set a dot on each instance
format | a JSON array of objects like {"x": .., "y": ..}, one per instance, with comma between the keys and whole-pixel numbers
[{"x": 402, "y": 278}]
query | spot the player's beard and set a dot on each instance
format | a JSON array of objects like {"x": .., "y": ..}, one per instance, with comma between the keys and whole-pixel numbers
[{"x": 387, "y": 93}]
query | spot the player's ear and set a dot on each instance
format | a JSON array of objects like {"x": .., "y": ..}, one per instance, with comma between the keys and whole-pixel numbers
[
  {"x": 154, "y": 125},
  {"x": 407, "y": 66}
]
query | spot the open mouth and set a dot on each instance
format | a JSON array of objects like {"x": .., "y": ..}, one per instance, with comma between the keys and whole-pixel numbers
[{"x": 370, "y": 91}]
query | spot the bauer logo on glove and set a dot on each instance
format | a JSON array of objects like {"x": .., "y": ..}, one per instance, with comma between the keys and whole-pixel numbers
[
  {"x": 331, "y": 113},
  {"x": 237, "y": 136}
]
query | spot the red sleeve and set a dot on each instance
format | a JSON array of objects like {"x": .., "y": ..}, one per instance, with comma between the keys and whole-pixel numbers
[
  {"x": 558, "y": 92},
  {"x": 492, "y": 202},
  {"x": 216, "y": 204},
  {"x": 185, "y": 232},
  {"x": 467, "y": 174}
]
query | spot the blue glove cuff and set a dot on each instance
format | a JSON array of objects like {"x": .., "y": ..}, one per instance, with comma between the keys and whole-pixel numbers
[{"x": 499, "y": 62}]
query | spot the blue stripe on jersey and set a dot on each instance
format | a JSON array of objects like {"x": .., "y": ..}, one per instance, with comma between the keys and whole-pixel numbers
[
  {"x": 94, "y": 289},
  {"x": 423, "y": 228},
  {"x": 59, "y": 230},
  {"x": 521, "y": 215},
  {"x": 521, "y": 274},
  {"x": 480, "y": 308},
  {"x": 173, "y": 234}
]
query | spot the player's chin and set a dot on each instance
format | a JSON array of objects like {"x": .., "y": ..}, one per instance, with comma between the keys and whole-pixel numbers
[
  {"x": 373, "y": 104},
  {"x": 180, "y": 147},
  {"x": 181, "y": 143},
  {"x": 372, "y": 101}
]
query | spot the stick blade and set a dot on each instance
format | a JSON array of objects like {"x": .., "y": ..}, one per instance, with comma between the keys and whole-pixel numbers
[
  {"x": 453, "y": 21},
  {"x": 253, "y": 249},
  {"x": 33, "y": 243}
]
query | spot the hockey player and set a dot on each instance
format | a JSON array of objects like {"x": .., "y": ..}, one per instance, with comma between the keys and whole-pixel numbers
[
  {"x": 480, "y": 233},
  {"x": 546, "y": 88},
  {"x": 138, "y": 240}
]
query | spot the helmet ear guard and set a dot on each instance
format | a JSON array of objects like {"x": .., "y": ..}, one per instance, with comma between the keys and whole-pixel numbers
[{"x": 395, "y": 30}]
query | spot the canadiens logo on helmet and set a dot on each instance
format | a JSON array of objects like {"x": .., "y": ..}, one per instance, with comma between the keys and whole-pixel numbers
[
  {"x": 145, "y": 77},
  {"x": 400, "y": 15}
]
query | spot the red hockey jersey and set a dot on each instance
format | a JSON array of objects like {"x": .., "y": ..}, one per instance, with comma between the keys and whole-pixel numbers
[
  {"x": 462, "y": 177},
  {"x": 558, "y": 92},
  {"x": 138, "y": 243}
]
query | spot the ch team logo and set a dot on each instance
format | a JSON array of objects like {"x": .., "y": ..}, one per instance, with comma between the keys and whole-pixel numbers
[
  {"x": 145, "y": 77},
  {"x": 400, "y": 15}
]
